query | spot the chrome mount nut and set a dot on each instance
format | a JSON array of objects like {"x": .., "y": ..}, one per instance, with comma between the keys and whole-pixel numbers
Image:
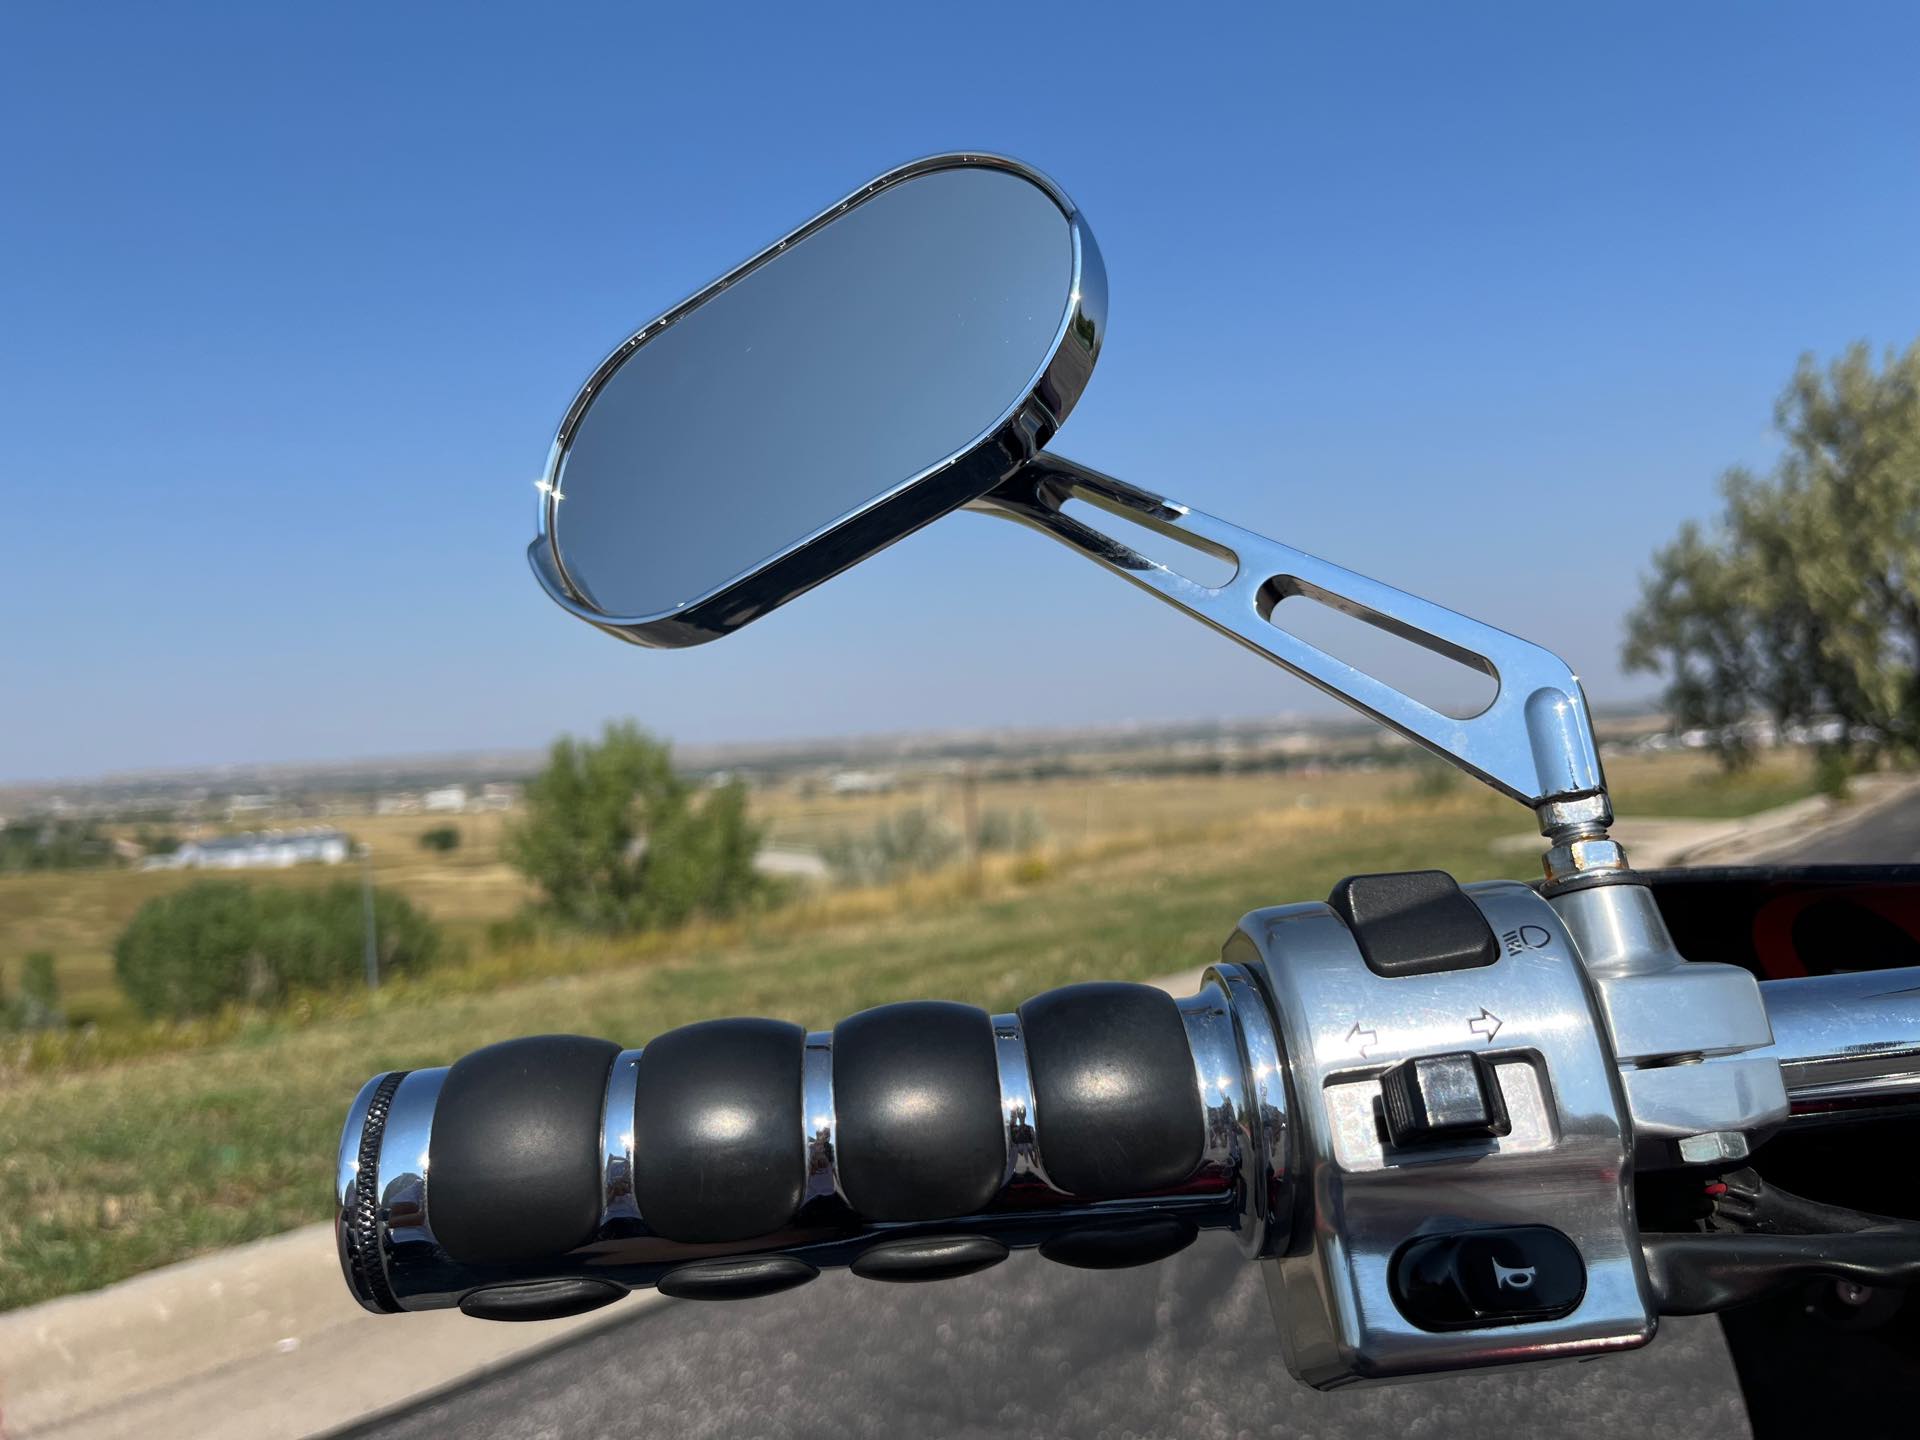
[{"x": 1580, "y": 859}]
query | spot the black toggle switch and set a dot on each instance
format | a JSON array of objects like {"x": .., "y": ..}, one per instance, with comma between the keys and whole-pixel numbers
[
  {"x": 1477, "y": 1278},
  {"x": 1415, "y": 922},
  {"x": 1436, "y": 1099}
]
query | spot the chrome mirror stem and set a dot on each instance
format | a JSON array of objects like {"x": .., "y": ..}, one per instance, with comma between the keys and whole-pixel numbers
[{"x": 1533, "y": 742}]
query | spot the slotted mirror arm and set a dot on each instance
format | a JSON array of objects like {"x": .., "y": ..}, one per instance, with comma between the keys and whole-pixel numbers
[{"x": 1533, "y": 742}]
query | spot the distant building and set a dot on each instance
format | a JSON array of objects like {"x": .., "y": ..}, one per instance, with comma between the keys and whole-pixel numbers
[
  {"x": 265, "y": 850},
  {"x": 447, "y": 800},
  {"x": 405, "y": 802},
  {"x": 793, "y": 865},
  {"x": 861, "y": 782},
  {"x": 498, "y": 795}
]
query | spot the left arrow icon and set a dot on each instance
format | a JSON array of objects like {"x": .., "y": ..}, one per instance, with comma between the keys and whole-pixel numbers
[{"x": 1366, "y": 1038}]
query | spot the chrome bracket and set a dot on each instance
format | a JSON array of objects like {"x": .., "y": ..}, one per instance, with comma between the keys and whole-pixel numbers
[{"x": 1533, "y": 742}]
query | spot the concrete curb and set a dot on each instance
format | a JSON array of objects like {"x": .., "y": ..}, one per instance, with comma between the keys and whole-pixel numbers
[{"x": 259, "y": 1340}]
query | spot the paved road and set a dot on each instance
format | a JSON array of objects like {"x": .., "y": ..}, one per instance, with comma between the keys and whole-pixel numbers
[
  {"x": 1887, "y": 836},
  {"x": 1182, "y": 1348}
]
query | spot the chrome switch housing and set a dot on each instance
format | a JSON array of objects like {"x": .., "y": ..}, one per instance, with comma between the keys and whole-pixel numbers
[{"x": 1564, "y": 1160}]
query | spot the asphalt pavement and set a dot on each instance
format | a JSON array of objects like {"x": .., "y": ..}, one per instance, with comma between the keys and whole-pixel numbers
[
  {"x": 1888, "y": 835},
  {"x": 1183, "y": 1348}
]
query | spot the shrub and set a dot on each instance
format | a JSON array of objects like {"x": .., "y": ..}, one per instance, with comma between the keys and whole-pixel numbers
[
  {"x": 910, "y": 842},
  {"x": 46, "y": 843},
  {"x": 1833, "y": 772},
  {"x": 1010, "y": 830},
  {"x": 441, "y": 838},
  {"x": 223, "y": 941}
]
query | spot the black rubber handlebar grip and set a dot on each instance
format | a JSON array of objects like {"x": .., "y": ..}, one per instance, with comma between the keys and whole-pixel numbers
[
  {"x": 720, "y": 1132},
  {"x": 716, "y": 1127},
  {"x": 916, "y": 1098},
  {"x": 1116, "y": 1104},
  {"x": 516, "y": 1148}
]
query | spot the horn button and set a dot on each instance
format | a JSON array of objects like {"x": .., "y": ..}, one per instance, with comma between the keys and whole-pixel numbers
[{"x": 1488, "y": 1277}]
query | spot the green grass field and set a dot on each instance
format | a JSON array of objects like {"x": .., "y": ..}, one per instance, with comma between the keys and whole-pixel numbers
[{"x": 109, "y": 1167}]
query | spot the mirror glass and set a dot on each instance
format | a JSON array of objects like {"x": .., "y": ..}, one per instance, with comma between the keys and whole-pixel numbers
[{"x": 878, "y": 346}]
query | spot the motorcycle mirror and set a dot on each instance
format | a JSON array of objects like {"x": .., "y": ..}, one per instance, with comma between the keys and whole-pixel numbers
[
  {"x": 894, "y": 358},
  {"x": 909, "y": 351}
]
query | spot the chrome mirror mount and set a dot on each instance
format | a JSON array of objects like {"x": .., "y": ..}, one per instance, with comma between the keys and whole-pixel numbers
[{"x": 1533, "y": 742}]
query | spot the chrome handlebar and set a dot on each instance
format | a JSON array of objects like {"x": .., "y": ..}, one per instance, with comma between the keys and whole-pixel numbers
[{"x": 1847, "y": 1044}]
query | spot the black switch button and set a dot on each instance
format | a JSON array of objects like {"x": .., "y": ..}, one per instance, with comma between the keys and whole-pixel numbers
[
  {"x": 1415, "y": 922},
  {"x": 1477, "y": 1278},
  {"x": 1434, "y": 1099}
]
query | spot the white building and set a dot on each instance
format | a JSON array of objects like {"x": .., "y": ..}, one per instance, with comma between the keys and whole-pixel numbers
[
  {"x": 447, "y": 800},
  {"x": 861, "y": 782},
  {"x": 265, "y": 850}
]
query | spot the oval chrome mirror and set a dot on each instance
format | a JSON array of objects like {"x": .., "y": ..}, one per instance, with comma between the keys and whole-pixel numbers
[{"x": 894, "y": 358}]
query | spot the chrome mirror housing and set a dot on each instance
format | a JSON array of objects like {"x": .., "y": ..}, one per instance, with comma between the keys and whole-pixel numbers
[{"x": 892, "y": 359}]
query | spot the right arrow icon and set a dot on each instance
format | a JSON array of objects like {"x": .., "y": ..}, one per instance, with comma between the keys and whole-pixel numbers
[{"x": 1486, "y": 1023}]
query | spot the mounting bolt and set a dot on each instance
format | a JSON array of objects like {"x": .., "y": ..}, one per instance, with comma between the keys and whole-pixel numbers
[
  {"x": 1713, "y": 1147},
  {"x": 1578, "y": 859}
]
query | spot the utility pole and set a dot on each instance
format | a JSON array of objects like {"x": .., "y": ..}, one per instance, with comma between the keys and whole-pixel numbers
[
  {"x": 970, "y": 812},
  {"x": 366, "y": 908}
]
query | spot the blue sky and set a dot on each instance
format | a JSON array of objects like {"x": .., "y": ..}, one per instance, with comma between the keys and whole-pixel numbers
[{"x": 1479, "y": 299}]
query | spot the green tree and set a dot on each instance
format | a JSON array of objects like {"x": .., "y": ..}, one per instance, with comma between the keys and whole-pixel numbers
[
  {"x": 1802, "y": 603},
  {"x": 441, "y": 838},
  {"x": 615, "y": 839}
]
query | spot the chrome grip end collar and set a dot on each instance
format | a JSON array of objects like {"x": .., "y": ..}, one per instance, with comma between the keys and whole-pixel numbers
[
  {"x": 1243, "y": 1093},
  {"x": 356, "y": 1223},
  {"x": 380, "y": 1183}
]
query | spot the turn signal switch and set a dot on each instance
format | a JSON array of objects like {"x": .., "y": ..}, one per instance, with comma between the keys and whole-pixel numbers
[{"x": 1432, "y": 1099}]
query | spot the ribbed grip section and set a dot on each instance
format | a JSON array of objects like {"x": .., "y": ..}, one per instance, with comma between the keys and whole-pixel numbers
[
  {"x": 916, "y": 1093},
  {"x": 1117, "y": 1109},
  {"x": 1103, "y": 1123},
  {"x": 716, "y": 1130},
  {"x": 516, "y": 1148}
]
